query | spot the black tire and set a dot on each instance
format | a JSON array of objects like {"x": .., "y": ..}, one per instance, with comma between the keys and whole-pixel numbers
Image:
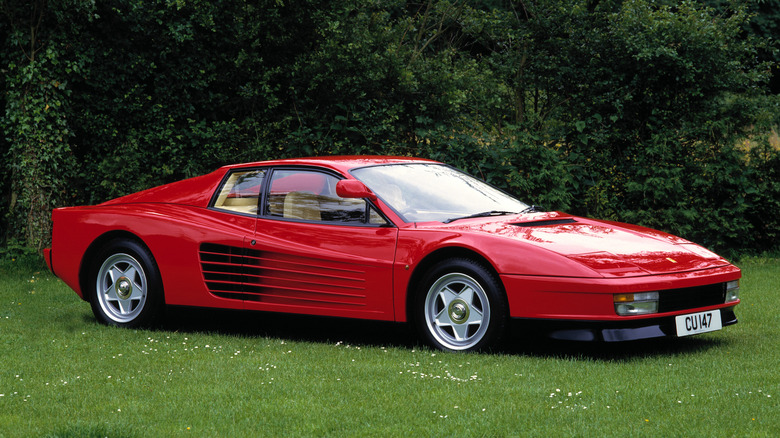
[
  {"x": 460, "y": 305},
  {"x": 125, "y": 287}
]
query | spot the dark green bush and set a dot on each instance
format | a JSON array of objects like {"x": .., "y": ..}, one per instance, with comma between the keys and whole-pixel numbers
[{"x": 634, "y": 110}]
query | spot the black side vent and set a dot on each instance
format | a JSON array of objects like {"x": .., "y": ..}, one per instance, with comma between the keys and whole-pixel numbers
[
  {"x": 545, "y": 223},
  {"x": 284, "y": 279}
]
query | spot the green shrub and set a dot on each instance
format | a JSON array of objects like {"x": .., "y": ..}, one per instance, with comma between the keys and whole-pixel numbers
[{"x": 631, "y": 110}]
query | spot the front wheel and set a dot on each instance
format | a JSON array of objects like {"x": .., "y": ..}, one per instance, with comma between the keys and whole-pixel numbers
[
  {"x": 127, "y": 289},
  {"x": 461, "y": 306}
]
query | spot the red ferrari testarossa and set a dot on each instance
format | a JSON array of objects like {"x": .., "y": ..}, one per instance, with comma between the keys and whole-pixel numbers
[{"x": 385, "y": 238}]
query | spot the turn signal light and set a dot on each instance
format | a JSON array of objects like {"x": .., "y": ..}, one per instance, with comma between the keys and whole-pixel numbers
[{"x": 641, "y": 303}]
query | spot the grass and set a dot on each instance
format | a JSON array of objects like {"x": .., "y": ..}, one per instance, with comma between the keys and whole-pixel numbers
[{"x": 228, "y": 374}]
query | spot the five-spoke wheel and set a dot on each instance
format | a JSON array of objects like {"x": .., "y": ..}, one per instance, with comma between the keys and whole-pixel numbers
[
  {"x": 127, "y": 287},
  {"x": 461, "y": 306},
  {"x": 121, "y": 288}
]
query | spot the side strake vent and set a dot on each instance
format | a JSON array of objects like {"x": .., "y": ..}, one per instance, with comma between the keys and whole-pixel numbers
[
  {"x": 272, "y": 277},
  {"x": 545, "y": 223}
]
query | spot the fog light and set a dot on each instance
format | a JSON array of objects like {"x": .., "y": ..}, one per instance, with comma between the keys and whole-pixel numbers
[
  {"x": 641, "y": 303},
  {"x": 732, "y": 291}
]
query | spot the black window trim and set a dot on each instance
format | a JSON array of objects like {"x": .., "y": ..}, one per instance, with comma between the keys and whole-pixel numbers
[
  {"x": 262, "y": 205},
  {"x": 226, "y": 177},
  {"x": 263, "y": 213}
]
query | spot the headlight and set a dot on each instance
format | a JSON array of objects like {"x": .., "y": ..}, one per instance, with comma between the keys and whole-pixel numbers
[
  {"x": 641, "y": 303},
  {"x": 732, "y": 291}
]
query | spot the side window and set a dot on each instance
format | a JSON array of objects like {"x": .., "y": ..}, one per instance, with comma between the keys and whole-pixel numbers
[
  {"x": 241, "y": 191},
  {"x": 311, "y": 196}
]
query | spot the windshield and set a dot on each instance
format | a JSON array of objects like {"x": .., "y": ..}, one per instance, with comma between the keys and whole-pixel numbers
[{"x": 435, "y": 192}]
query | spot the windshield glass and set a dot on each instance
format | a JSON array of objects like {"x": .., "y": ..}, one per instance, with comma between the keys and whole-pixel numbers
[{"x": 434, "y": 192}]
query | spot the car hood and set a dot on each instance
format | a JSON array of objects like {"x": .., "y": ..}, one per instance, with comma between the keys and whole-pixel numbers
[{"x": 609, "y": 248}]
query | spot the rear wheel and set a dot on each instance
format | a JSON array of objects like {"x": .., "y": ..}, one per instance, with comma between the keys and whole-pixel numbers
[
  {"x": 126, "y": 285},
  {"x": 461, "y": 306}
]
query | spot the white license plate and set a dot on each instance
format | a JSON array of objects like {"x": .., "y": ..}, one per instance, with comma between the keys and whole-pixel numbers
[{"x": 701, "y": 322}]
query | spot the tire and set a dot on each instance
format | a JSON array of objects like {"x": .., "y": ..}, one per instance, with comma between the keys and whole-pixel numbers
[
  {"x": 126, "y": 287},
  {"x": 461, "y": 306}
]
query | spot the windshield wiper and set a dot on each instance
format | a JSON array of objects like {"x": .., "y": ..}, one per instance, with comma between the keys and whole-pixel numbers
[
  {"x": 532, "y": 209},
  {"x": 483, "y": 214}
]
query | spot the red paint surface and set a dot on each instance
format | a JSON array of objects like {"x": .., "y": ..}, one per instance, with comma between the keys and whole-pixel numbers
[{"x": 555, "y": 270}]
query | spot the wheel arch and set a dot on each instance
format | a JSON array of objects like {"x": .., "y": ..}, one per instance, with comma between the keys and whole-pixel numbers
[
  {"x": 95, "y": 247},
  {"x": 450, "y": 252}
]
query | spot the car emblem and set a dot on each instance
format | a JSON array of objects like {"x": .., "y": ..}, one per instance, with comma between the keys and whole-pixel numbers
[{"x": 671, "y": 260}]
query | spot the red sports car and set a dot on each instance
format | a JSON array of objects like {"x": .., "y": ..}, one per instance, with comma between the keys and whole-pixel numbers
[{"x": 385, "y": 238}]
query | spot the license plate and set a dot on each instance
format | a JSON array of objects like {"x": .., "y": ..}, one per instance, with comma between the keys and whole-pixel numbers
[{"x": 701, "y": 322}]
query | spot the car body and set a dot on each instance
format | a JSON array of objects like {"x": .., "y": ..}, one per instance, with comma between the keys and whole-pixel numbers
[{"x": 385, "y": 238}]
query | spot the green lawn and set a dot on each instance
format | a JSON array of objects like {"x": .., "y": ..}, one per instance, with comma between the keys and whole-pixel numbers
[{"x": 236, "y": 374}]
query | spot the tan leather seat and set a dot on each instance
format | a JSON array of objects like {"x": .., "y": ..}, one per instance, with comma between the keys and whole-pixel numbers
[{"x": 302, "y": 205}]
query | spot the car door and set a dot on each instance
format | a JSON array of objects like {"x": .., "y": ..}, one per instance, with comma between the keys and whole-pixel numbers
[{"x": 316, "y": 253}]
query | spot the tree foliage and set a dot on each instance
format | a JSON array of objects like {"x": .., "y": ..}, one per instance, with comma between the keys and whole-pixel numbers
[{"x": 652, "y": 112}]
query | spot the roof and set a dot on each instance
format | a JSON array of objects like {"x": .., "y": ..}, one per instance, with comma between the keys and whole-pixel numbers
[
  {"x": 197, "y": 191},
  {"x": 342, "y": 163}
]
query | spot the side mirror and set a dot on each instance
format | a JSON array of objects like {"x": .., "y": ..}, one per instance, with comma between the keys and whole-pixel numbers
[{"x": 352, "y": 188}]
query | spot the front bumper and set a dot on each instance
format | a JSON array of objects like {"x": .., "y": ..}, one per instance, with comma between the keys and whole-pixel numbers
[{"x": 606, "y": 331}]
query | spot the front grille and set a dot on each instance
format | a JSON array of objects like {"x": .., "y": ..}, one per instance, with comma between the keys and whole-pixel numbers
[{"x": 672, "y": 300}]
